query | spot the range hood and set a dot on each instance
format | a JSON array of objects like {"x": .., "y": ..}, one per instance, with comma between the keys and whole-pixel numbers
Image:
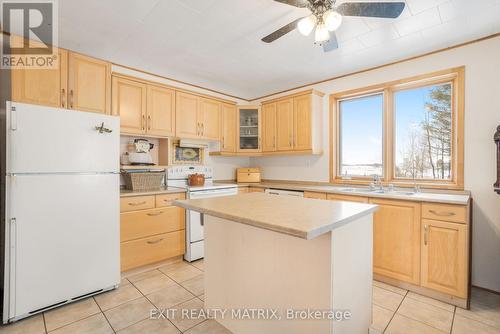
[{"x": 193, "y": 143}]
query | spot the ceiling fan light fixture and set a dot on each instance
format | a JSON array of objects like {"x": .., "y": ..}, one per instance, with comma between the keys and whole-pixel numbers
[
  {"x": 332, "y": 20},
  {"x": 306, "y": 25},
  {"x": 322, "y": 35}
]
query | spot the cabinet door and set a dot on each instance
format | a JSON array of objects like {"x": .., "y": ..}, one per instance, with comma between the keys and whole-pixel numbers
[
  {"x": 302, "y": 123},
  {"x": 396, "y": 240},
  {"x": 228, "y": 143},
  {"x": 160, "y": 111},
  {"x": 284, "y": 125},
  {"x": 444, "y": 257},
  {"x": 269, "y": 127},
  {"x": 186, "y": 116},
  {"x": 210, "y": 119},
  {"x": 46, "y": 87},
  {"x": 129, "y": 102},
  {"x": 89, "y": 84}
]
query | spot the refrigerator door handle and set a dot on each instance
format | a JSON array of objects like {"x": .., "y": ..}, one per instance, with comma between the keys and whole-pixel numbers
[{"x": 13, "y": 118}]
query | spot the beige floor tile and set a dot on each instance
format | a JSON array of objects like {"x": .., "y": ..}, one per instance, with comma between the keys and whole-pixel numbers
[
  {"x": 431, "y": 301},
  {"x": 151, "y": 326},
  {"x": 149, "y": 285},
  {"x": 184, "y": 323},
  {"x": 386, "y": 286},
  {"x": 117, "y": 297},
  {"x": 489, "y": 314},
  {"x": 170, "y": 296},
  {"x": 144, "y": 275},
  {"x": 403, "y": 325},
  {"x": 70, "y": 313},
  {"x": 202, "y": 297},
  {"x": 380, "y": 318},
  {"x": 95, "y": 324},
  {"x": 124, "y": 281},
  {"x": 428, "y": 314},
  {"x": 484, "y": 297},
  {"x": 463, "y": 325},
  {"x": 373, "y": 331},
  {"x": 31, "y": 325},
  {"x": 129, "y": 313},
  {"x": 386, "y": 299},
  {"x": 200, "y": 264},
  {"x": 181, "y": 273},
  {"x": 195, "y": 285},
  {"x": 208, "y": 327}
]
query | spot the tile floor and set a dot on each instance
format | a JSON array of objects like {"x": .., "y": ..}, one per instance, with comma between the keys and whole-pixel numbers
[{"x": 180, "y": 286}]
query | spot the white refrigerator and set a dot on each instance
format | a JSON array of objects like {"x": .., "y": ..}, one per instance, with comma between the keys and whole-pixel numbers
[{"x": 62, "y": 207}]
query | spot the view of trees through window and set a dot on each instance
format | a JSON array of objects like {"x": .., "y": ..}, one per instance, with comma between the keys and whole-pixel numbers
[{"x": 423, "y": 132}]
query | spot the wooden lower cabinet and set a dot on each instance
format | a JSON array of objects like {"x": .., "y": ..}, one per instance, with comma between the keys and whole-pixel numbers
[
  {"x": 256, "y": 190},
  {"x": 396, "y": 240},
  {"x": 151, "y": 229},
  {"x": 315, "y": 195},
  {"x": 444, "y": 257},
  {"x": 153, "y": 249}
]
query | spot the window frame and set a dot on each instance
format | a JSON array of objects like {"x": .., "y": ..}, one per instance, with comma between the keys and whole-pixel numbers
[{"x": 454, "y": 76}]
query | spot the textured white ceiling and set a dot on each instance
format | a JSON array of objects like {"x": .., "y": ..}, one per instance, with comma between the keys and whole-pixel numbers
[{"x": 216, "y": 43}]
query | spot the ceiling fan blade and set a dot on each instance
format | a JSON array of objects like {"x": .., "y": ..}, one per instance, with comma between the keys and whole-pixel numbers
[
  {"x": 390, "y": 10},
  {"x": 281, "y": 31},
  {"x": 332, "y": 44},
  {"x": 296, "y": 3}
]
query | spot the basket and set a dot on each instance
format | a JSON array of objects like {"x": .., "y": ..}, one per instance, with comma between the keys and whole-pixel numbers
[{"x": 142, "y": 180}]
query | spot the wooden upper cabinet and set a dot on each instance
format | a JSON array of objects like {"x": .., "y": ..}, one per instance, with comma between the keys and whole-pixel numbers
[
  {"x": 209, "y": 118},
  {"x": 302, "y": 122},
  {"x": 228, "y": 140},
  {"x": 160, "y": 111},
  {"x": 269, "y": 127},
  {"x": 444, "y": 257},
  {"x": 89, "y": 84},
  {"x": 186, "y": 116},
  {"x": 129, "y": 102},
  {"x": 47, "y": 87},
  {"x": 284, "y": 127},
  {"x": 396, "y": 240}
]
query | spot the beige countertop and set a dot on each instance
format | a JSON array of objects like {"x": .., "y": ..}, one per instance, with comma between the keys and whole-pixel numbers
[
  {"x": 162, "y": 190},
  {"x": 300, "y": 217},
  {"x": 448, "y": 197}
]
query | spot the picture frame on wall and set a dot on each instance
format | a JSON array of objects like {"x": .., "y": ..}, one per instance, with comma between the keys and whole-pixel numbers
[{"x": 187, "y": 155}]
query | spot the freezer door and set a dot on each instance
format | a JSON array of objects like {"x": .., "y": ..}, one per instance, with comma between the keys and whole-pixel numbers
[
  {"x": 62, "y": 238},
  {"x": 47, "y": 140}
]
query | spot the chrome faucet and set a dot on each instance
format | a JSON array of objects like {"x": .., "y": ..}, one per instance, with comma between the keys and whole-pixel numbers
[{"x": 377, "y": 182}]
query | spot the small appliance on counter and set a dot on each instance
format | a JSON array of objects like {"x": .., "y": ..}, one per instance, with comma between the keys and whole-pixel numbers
[
  {"x": 138, "y": 153},
  {"x": 248, "y": 175}
]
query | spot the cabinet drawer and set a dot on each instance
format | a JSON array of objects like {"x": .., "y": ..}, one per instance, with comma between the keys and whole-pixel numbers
[
  {"x": 311, "y": 194},
  {"x": 136, "y": 203},
  {"x": 248, "y": 177},
  {"x": 141, "y": 224},
  {"x": 242, "y": 190},
  {"x": 140, "y": 252},
  {"x": 256, "y": 190},
  {"x": 349, "y": 198},
  {"x": 166, "y": 199},
  {"x": 446, "y": 212}
]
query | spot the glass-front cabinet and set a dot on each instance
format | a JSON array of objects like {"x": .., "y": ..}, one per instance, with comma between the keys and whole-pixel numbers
[{"x": 249, "y": 125}]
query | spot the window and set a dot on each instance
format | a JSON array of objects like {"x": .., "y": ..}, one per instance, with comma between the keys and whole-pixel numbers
[
  {"x": 405, "y": 131},
  {"x": 361, "y": 150},
  {"x": 423, "y": 132}
]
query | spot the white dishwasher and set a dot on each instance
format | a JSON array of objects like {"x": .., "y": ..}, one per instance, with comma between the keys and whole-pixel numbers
[{"x": 281, "y": 192}]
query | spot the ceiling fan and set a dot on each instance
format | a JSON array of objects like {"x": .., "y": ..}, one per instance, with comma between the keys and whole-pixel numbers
[{"x": 326, "y": 16}]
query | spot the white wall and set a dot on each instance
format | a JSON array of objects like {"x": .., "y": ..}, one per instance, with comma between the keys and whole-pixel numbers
[{"x": 482, "y": 116}]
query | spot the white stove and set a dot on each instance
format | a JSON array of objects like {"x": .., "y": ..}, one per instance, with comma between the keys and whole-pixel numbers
[{"x": 177, "y": 176}]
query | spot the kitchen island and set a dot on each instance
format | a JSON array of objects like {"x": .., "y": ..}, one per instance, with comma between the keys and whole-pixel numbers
[{"x": 278, "y": 264}]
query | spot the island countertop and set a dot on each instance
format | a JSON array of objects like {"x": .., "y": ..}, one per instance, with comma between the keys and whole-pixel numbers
[{"x": 299, "y": 217}]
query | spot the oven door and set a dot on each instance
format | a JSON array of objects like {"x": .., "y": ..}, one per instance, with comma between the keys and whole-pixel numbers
[{"x": 195, "y": 226}]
